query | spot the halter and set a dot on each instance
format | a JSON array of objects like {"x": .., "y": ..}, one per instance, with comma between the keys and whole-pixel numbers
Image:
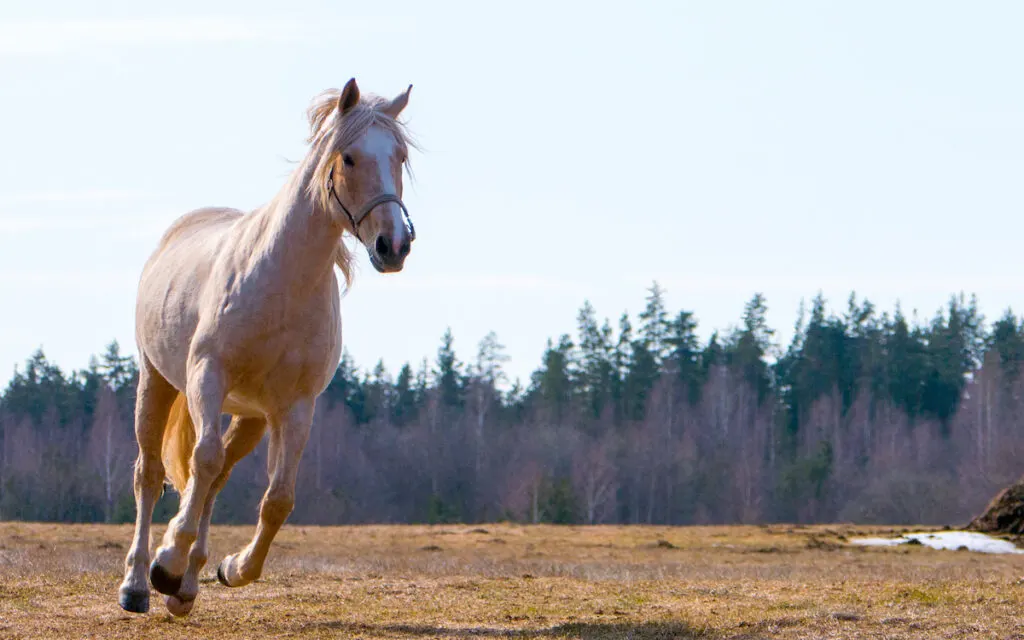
[{"x": 370, "y": 206}]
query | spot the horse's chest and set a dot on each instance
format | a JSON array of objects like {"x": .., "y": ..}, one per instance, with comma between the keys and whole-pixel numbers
[{"x": 295, "y": 353}]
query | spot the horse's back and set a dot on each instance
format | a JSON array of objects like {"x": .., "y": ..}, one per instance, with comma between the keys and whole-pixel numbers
[
  {"x": 201, "y": 220},
  {"x": 189, "y": 247}
]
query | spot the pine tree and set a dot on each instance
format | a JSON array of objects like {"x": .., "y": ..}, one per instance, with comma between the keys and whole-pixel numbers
[
  {"x": 622, "y": 360},
  {"x": 907, "y": 363},
  {"x": 91, "y": 381},
  {"x": 597, "y": 364},
  {"x": 422, "y": 382},
  {"x": 647, "y": 354},
  {"x": 655, "y": 327},
  {"x": 447, "y": 373},
  {"x": 345, "y": 387},
  {"x": 1008, "y": 341},
  {"x": 406, "y": 405},
  {"x": 712, "y": 355},
  {"x": 864, "y": 349},
  {"x": 686, "y": 354},
  {"x": 786, "y": 372},
  {"x": 954, "y": 346},
  {"x": 553, "y": 382},
  {"x": 41, "y": 388},
  {"x": 639, "y": 380},
  {"x": 379, "y": 389},
  {"x": 118, "y": 370},
  {"x": 820, "y": 365},
  {"x": 749, "y": 346}
]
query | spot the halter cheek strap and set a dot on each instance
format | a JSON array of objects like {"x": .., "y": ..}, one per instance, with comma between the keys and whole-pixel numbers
[{"x": 369, "y": 207}]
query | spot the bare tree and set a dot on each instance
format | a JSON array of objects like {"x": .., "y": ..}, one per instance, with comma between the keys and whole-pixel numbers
[
  {"x": 595, "y": 476},
  {"x": 111, "y": 448}
]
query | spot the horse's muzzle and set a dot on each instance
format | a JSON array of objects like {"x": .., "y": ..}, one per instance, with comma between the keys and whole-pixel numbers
[{"x": 387, "y": 255}]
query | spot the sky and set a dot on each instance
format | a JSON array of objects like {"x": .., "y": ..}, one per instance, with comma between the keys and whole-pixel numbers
[{"x": 574, "y": 150}]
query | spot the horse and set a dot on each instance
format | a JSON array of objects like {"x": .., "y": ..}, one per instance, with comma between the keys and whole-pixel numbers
[{"x": 239, "y": 313}]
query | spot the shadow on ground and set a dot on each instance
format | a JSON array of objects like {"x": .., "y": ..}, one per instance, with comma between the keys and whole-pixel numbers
[{"x": 585, "y": 630}]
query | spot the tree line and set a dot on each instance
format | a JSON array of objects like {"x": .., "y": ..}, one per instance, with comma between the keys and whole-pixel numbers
[{"x": 865, "y": 416}]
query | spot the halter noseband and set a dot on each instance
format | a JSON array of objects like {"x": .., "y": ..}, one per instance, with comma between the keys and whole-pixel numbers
[{"x": 370, "y": 206}]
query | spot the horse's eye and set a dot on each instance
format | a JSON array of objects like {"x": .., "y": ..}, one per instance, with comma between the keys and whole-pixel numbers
[{"x": 347, "y": 159}]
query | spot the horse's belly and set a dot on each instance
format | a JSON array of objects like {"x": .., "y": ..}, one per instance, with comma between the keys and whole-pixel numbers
[{"x": 240, "y": 405}]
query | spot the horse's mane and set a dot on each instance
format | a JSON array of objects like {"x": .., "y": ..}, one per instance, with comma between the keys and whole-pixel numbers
[{"x": 331, "y": 134}]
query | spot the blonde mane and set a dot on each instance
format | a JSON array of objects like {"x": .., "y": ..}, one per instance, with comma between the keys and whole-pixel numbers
[{"x": 330, "y": 133}]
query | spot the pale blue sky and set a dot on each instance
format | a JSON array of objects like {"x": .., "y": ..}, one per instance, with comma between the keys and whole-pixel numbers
[{"x": 572, "y": 150}]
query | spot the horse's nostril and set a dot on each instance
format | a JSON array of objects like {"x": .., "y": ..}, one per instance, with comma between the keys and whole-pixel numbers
[
  {"x": 383, "y": 246},
  {"x": 405, "y": 248}
]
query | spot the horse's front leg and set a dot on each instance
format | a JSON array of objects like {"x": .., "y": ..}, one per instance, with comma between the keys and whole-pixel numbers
[
  {"x": 288, "y": 438},
  {"x": 152, "y": 406},
  {"x": 240, "y": 439},
  {"x": 205, "y": 394}
]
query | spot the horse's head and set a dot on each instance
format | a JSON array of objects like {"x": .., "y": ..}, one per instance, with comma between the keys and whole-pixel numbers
[{"x": 360, "y": 171}]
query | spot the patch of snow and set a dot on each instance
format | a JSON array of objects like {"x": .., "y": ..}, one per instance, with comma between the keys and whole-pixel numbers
[
  {"x": 879, "y": 542},
  {"x": 973, "y": 541}
]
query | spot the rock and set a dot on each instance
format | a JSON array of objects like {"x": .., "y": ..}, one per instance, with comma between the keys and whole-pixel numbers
[{"x": 1004, "y": 514}]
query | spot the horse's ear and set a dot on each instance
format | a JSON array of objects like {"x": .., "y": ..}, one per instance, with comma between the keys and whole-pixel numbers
[
  {"x": 395, "y": 106},
  {"x": 349, "y": 97}
]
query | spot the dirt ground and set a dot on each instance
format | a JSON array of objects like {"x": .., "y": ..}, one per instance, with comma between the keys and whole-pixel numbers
[{"x": 410, "y": 582}]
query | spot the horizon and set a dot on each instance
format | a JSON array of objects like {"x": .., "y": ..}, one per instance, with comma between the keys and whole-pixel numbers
[{"x": 770, "y": 148}]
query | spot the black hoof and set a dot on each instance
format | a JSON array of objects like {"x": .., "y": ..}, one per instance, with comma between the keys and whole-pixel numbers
[
  {"x": 162, "y": 581},
  {"x": 134, "y": 601},
  {"x": 220, "y": 575}
]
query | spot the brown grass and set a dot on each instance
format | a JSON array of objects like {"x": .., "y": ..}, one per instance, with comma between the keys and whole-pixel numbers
[{"x": 410, "y": 582}]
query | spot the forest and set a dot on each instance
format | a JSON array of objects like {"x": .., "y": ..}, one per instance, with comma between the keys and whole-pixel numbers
[{"x": 866, "y": 416}]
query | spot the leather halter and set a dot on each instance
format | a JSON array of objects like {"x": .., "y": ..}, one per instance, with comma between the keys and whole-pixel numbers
[{"x": 369, "y": 207}]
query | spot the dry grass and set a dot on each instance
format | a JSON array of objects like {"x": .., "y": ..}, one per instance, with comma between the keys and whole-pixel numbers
[{"x": 408, "y": 582}]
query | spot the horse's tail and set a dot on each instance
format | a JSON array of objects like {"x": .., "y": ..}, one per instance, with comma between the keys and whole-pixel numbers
[{"x": 179, "y": 440}]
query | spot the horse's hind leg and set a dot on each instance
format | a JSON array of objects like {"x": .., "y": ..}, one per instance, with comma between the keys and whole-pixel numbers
[
  {"x": 205, "y": 393},
  {"x": 152, "y": 405},
  {"x": 240, "y": 439},
  {"x": 287, "y": 440}
]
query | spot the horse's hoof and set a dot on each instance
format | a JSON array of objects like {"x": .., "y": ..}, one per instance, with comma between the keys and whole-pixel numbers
[
  {"x": 223, "y": 579},
  {"x": 134, "y": 601},
  {"x": 177, "y": 606},
  {"x": 162, "y": 581}
]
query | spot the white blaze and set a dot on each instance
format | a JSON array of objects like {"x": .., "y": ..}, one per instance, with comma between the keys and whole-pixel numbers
[{"x": 382, "y": 146}]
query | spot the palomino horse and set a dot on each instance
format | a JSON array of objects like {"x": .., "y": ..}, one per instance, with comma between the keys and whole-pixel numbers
[{"x": 240, "y": 313}]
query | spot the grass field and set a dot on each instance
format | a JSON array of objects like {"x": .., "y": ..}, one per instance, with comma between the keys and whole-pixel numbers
[{"x": 60, "y": 581}]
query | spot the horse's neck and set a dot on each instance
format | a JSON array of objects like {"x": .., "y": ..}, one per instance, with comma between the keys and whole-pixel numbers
[{"x": 298, "y": 236}]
